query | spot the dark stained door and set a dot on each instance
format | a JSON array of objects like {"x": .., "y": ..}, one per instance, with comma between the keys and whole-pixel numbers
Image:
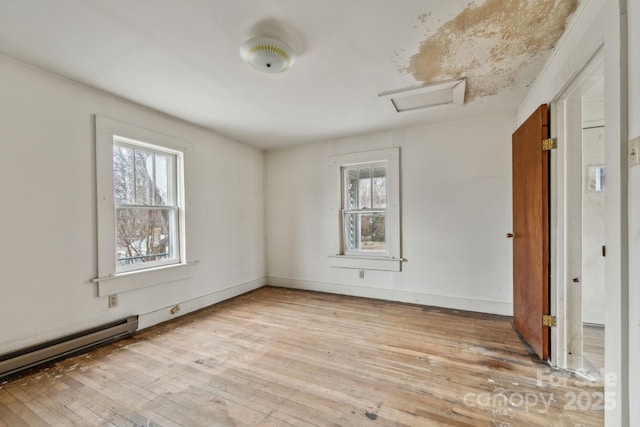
[{"x": 531, "y": 231}]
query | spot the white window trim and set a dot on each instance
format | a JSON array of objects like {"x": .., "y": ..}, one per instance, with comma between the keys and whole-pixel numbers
[
  {"x": 109, "y": 280},
  {"x": 391, "y": 259},
  {"x": 177, "y": 207}
]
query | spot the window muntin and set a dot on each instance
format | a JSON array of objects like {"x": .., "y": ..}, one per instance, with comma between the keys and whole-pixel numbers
[
  {"x": 146, "y": 205},
  {"x": 364, "y": 208}
]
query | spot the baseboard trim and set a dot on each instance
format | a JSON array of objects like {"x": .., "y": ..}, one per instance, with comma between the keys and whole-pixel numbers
[
  {"x": 458, "y": 303},
  {"x": 163, "y": 314},
  {"x": 469, "y": 304}
]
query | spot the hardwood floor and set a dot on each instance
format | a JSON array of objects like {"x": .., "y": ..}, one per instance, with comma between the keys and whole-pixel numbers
[
  {"x": 593, "y": 347},
  {"x": 278, "y": 357}
]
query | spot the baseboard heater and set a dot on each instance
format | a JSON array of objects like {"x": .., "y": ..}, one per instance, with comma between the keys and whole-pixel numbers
[{"x": 16, "y": 361}]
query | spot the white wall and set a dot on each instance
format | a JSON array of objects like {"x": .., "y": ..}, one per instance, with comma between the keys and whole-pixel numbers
[
  {"x": 456, "y": 210},
  {"x": 584, "y": 35},
  {"x": 593, "y": 231},
  {"x": 48, "y": 247},
  {"x": 593, "y": 207},
  {"x": 634, "y": 213}
]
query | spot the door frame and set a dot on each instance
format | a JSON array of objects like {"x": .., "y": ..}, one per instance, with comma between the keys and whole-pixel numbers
[{"x": 566, "y": 218}]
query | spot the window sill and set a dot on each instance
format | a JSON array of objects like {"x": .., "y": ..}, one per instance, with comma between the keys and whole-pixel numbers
[
  {"x": 130, "y": 281},
  {"x": 366, "y": 262}
]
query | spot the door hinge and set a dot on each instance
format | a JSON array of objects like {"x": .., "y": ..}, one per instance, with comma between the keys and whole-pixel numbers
[
  {"x": 548, "y": 320},
  {"x": 549, "y": 144}
]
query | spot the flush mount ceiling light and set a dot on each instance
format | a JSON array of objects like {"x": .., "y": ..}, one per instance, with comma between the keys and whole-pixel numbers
[
  {"x": 451, "y": 92},
  {"x": 267, "y": 55}
]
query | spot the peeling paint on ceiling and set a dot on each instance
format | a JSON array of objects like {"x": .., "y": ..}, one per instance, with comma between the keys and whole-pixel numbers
[{"x": 489, "y": 44}]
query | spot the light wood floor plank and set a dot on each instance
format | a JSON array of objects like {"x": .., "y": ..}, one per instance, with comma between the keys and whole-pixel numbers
[
  {"x": 594, "y": 345},
  {"x": 277, "y": 357},
  {"x": 17, "y": 413},
  {"x": 38, "y": 404}
]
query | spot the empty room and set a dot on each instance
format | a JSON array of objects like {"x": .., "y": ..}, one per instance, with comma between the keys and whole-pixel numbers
[{"x": 298, "y": 213}]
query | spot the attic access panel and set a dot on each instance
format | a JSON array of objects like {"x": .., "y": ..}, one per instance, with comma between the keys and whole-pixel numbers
[{"x": 450, "y": 92}]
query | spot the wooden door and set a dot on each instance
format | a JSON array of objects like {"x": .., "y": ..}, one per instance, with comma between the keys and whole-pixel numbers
[{"x": 531, "y": 231}]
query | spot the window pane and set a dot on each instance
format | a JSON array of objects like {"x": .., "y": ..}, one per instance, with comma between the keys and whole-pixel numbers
[
  {"x": 365, "y": 232},
  {"x": 123, "y": 188},
  {"x": 164, "y": 196},
  {"x": 596, "y": 178},
  {"x": 364, "y": 190},
  {"x": 351, "y": 195},
  {"x": 372, "y": 232},
  {"x": 380, "y": 187},
  {"x": 351, "y": 234},
  {"x": 144, "y": 177},
  {"x": 144, "y": 235}
]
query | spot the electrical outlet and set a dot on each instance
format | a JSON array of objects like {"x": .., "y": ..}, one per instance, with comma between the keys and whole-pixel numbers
[
  {"x": 362, "y": 274},
  {"x": 113, "y": 301}
]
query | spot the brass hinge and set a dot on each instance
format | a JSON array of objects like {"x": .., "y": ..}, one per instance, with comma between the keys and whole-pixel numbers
[
  {"x": 549, "y": 144},
  {"x": 548, "y": 320}
]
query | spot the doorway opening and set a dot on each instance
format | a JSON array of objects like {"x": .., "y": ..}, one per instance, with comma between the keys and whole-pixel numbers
[
  {"x": 593, "y": 228},
  {"x": 578, "y": 188}
]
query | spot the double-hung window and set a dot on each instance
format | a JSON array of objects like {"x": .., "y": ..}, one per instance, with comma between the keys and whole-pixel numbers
[
  {"x": 141, "y": 208},
  {"x": 146, "y": 205},
  {"x": 367, "y": 225},
  {"x": 364, "y": 209}
]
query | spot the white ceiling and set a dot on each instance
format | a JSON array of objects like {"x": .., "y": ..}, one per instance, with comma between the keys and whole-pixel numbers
[{"x": 181, "y": 57}]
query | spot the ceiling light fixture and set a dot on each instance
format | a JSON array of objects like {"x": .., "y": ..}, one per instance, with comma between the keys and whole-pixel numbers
[{"x": 267, "y": 54}]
